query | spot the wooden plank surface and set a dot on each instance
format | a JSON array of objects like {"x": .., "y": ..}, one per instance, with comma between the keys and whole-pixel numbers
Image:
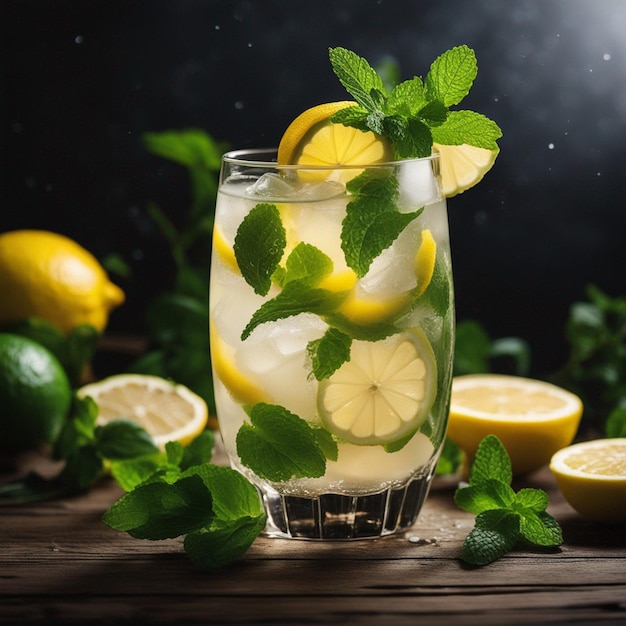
[{"x": 60, "y": 564}]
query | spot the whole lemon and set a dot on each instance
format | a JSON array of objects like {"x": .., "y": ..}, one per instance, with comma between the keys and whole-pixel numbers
[
  {"x": 35, "y": 394},
  {"x": 47, "y": 275}
]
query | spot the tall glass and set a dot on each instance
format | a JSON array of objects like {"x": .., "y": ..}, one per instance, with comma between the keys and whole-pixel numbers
[{"x": 332, "y": 329}]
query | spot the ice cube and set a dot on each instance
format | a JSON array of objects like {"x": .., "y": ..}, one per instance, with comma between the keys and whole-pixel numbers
[{"x": 417, "y": 185}]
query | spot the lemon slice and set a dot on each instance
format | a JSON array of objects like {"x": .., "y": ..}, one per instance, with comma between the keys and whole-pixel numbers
[
  {"x": 592, "y": 478},
  {"x": 532, "y": 418},
  {"x": 312, "y": 139},
  {"x": 383, "y": 393},
  {"x": 168, "y": 411},
  {"x": 463, "y": 166},
  {"x": 241, "y": 388}
]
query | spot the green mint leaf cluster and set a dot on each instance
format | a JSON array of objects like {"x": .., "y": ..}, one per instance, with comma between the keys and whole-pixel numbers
[
  {"x": 217, "y": 510},
  {"x": 503, "y": 517},
  {"x": 416, "y": 112}
]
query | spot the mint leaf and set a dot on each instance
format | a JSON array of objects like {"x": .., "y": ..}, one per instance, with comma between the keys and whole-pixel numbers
[
  {"x": 329, "y": 353},
  {"x": 259, "y": 246},
  {"x": 159, "y": 510},
  {"x": 222, "y": 542},
  {"x": 233, "y": 495},
  {"x": 490, "y": 494},
  {"x": 372, "y": 221},
  {"x": 535, "y": 500},
  {"x": 130, "y": 473},
  {"x": 123, "y": 439},
  {"x": 451, "y": 75},
  {"x": 491, "y": 461},
  {"x": 495, "y": 533},
  {"x": 278, "y": 445},
  {"x": 467, "y": 127},
  {"x": 407, "y": 98},
  {"x": 199, "y": 450},
  {"x": 307, "y": 264},
  {"x": 358, "y": 77},
  {"x": 296, "y": 297},
  {"x": 540, "y": 529},
  {"x": 369, "y": 332}
]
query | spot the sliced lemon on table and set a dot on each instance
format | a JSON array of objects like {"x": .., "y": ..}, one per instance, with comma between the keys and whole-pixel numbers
[
  {"x": 532, "y": 418},
  {"x": 383, "y": 393},
  {"x": 168, "y": 411},
  {"x": 592, "y": 478},
  {"x": 463, "y": 166},
  {"x": 312, "y": 139}
]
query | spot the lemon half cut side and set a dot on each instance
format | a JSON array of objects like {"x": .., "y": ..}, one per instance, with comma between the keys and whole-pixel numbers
[
  {"x": 383, "y": 393},
  {"x": 532, "y": 418},
  {"x": 592, "y": 477},
  {"x": 168, "y": 411}
]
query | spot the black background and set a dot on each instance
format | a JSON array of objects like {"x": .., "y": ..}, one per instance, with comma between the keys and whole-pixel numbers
[{"x": 81, "y": 82}]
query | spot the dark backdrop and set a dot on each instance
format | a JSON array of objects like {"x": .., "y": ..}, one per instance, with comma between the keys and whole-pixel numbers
[{"x": 81, "y": 82}]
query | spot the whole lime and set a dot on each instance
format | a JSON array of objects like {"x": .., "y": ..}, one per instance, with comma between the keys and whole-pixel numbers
[{"x": 35, "y": 394}]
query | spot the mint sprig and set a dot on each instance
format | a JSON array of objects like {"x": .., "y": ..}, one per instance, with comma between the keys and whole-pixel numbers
[
  {"x": 504, "y": 518},
  {"x": 415, "y": 113}
]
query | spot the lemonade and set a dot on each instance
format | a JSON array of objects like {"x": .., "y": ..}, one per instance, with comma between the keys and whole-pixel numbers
[{"x": 331, "y": 301}]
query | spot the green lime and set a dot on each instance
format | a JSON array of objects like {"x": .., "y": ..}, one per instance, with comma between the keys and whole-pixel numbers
[{"x": 35, "y": 394}]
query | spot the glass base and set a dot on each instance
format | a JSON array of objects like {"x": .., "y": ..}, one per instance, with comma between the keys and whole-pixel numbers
[{"x": 334, "y": 516}]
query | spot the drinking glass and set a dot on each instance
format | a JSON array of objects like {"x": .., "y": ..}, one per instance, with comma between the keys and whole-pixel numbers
[{"x": 332, "y": 330}]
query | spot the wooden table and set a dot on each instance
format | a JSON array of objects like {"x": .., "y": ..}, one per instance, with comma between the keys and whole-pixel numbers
[{"x": 59, "y": 564}]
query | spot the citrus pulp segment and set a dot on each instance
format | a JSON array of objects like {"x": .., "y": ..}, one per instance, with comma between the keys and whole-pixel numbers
[
  {"x": 383, "y": 393},
  {"x": 463, "y": 166},
  {"x": 532, "y": 418},
  {"x": 168, "y": 411},
  {"x": 592, "y": 477}
]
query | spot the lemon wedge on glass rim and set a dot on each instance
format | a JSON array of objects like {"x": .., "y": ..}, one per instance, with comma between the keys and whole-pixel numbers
[
  {"x": 383, "y": 393},
  {"x": 168, "y": 411}
]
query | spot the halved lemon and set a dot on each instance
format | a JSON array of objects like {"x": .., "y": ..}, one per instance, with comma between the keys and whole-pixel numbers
[
  {"x": 463, "y": 166},
  {"x": 532, "y": 418},
  {"x": 312, "y": 139},
  {"x": 241, "y": 388},
  {"x": 383, "y": 393},
  {"x": 592, "y": 478},
  {"x": 168, "y": 411}
]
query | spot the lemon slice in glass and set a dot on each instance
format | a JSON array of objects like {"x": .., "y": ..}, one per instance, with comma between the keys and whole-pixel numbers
[
  {"x": 312, "y": 139},
  {"x": 241, "y": 388},
  {"x": 463, "y": 166},
  {"x": 592, "y": 477},
  {"x": 383, "y": 393},
  {"x": 168, "y": 411}
]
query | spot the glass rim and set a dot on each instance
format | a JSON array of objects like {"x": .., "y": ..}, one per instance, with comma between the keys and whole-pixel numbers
[{"x": 242, "y": 157}]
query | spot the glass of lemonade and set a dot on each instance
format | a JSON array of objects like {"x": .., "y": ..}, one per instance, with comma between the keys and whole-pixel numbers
[{"x": 332, "y": 330}]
